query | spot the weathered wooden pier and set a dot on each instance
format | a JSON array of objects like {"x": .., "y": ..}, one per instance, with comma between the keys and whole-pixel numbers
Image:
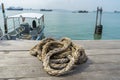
[{"x": 103, "y": 61}]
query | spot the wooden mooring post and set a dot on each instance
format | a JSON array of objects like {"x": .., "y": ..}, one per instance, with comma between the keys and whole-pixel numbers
[{"x": 98, "y": 25}]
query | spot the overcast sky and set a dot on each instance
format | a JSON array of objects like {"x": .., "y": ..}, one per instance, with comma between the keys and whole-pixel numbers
[{"x": 108, "y": 5}]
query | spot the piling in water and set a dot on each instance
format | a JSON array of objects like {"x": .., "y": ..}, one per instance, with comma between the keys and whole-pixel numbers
[{"x": 98, "y": 25}]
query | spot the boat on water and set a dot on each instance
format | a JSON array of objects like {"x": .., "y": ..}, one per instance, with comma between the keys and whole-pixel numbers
[
  {"x": 15, "y": 8},
  {"x": 80, "y": 11},
  {"x": 28, "y": 26},
  {"x": 116, "y": 11},
  {"x": 46, "y": 10}
]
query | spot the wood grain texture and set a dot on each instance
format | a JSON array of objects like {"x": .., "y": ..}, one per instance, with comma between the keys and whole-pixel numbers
[{"x": 103, "y": 61}]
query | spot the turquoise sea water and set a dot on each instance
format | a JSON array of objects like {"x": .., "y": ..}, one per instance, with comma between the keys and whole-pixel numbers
[{"x": 77, "y": 26}]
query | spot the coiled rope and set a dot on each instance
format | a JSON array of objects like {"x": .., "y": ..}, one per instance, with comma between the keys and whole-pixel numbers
[{"x": 58, "y": 57}]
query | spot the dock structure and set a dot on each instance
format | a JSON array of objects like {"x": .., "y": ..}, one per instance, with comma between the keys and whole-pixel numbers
[{"x": 103, "y": 61}]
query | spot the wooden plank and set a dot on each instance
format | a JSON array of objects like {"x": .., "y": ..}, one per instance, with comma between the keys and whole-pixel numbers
[
  {"x": 24, "y": 58},
  {"x": 10, "y": 45},
  {"x": 102, "y": 52},
  {"x": 36, "y": 62},
  {"x": 43, "y": 78},
  {"x": 21, "y": 71},
  {"x": 23, "y": 54},
  {"x": 37, "y": 71},
  {"x": 26, "y": 54},
  {"x": 87, "y": 44},
  {"x": 102, "y": 77},
  {"x": 15, "y": 54},
  {"x": 99, "y": 44},
  {"x": 104, "y": 59},
  {"x": 99, "y": 75},
  {"x": 20, "y": 62},
  {"x": 78, "y": 69}
]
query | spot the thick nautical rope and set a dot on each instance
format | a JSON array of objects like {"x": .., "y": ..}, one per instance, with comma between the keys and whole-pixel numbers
[{"x": 58, "y": 57}]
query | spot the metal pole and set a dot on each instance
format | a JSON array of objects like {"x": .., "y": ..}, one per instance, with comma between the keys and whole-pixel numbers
[
  {"x": 19, "y": 21},
  {"x": 13, "y": 23},
  {"x": 43, "y": 19},
  {"x": 5, "y": 19}
]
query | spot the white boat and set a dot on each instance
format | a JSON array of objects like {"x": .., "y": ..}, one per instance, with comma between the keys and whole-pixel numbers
[{"x": 28, "y": 26}]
